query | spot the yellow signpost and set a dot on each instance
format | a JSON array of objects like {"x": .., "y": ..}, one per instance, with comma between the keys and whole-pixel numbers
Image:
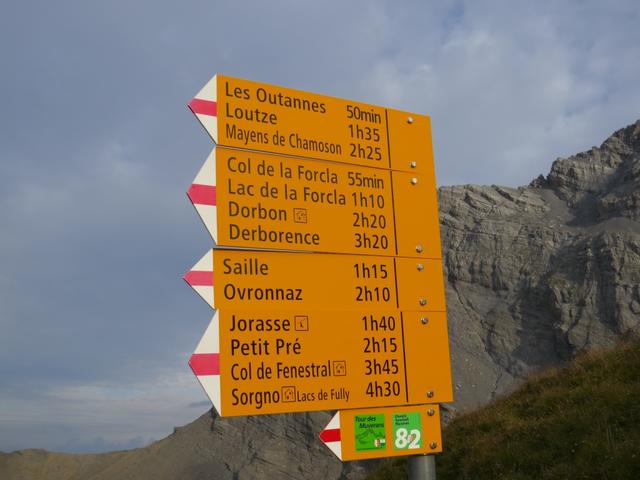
[
  {"x": 337, "y": 300},
  {"x": 246, "y": 279},
  {"x": 269, "y": 201},
  {"x": 258, "y": 116},
  {"x": 281, "y": 361}
]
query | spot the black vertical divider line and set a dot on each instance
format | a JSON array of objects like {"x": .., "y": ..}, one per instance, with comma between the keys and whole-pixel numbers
[
  {"x": 395, "y": 278},
  {"x": 395, "y": 270},
  {"x": 404, "y": 359},
  {"x": 393, "y": 208},
  {"x": 393, "y": 201}
]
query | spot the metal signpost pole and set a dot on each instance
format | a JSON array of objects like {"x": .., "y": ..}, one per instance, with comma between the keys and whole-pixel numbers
[{"x": 422, "y": 467}]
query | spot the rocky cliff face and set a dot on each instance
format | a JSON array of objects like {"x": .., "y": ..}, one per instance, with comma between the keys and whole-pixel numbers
[
  {"x": 534, "y": 275},
  {"x": 538, "y": 273}
]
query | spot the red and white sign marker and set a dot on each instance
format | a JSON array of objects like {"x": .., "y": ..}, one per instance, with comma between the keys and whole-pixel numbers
[
  {"x": 205, "y": 362},
  {"x": 200, "y": 278},
  {"x": 202, "y": 194},
  {"x": 205, "y": 108},
  {"x": 330, "y": 436}
]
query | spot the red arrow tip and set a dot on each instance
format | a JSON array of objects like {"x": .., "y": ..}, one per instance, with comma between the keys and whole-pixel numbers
[
  {"x": 330, "y": 435},
  {"x": 203, "y": 107},
  {"x": 205, "y": 363},
  {"x": 198, "y": 278},
  {"x": 202, "y": 194}
]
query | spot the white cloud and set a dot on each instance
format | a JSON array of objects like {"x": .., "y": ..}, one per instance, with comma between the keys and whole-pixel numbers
[{"x": 513, "y": 85}]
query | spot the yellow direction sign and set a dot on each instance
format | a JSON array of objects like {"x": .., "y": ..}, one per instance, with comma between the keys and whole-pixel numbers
[
  {"x": 232, "y": 279},
  {"x": 258, "y": 116},
  {"x": 276, "y": 361},
  {"x": 384, "y": 432},
  {"x": 255, "y": 200}
]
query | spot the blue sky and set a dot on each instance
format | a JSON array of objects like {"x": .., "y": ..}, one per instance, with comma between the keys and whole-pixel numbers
[{"x": 97, "y": 149}]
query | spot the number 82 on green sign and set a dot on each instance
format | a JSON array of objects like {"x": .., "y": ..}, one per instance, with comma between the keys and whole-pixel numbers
[{"x": 407, "y": 431}]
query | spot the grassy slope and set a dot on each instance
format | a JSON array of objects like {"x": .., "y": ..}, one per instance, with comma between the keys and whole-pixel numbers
[{"x": 579, "y": 422}]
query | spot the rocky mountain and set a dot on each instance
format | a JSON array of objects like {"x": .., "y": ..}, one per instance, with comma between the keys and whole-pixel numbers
[
  {"x": 534, "y": 275},
  {"x": 537, "y": 274},
  {"x": 211, "y": 448}
]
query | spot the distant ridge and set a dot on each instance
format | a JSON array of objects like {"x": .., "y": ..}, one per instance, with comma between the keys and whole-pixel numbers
[{"x": 277, "y": 446}]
